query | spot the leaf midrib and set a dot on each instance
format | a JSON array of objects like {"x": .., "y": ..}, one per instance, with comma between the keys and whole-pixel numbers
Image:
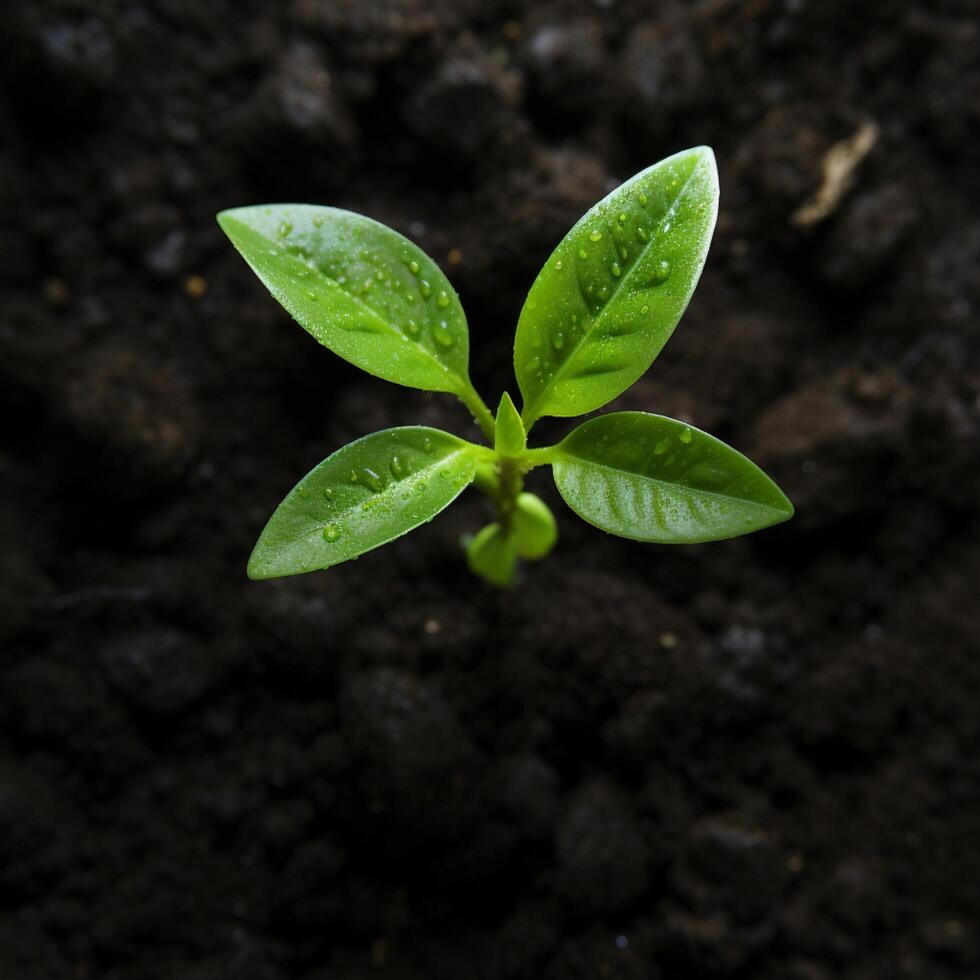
[
  {"x": 586, "y": 334},
  {"x": 340, "y": 515},
  {"x": 391, "y": 328},
  {"x": 666, "y": 483}
]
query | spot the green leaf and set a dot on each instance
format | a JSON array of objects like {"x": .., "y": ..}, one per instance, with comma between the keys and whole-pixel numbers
[
  {"x": 533, "y": 527},
  {"x": 609, "y": 297},
  {"x": 652, "y": 478},
  {"x": 511, "y": 438},
  {"x": 491, "y": 555},
  {"x": 363, "y": 496},
  {"x": 360, "y": 289}
]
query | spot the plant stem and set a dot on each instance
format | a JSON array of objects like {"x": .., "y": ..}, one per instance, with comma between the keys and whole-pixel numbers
[
  {"x": 511, "y": 473},
  {"x": 532, "y": 458},
  {"x": 470, "y": 397}
]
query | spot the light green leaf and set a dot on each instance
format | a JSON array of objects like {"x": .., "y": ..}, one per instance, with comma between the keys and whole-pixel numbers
[
  {"x": 511, "y": 438},
  {"x": 360, "y": 289},
  {"x": 491, "y": 555},
  {"x": 364, "y": 495},
  {"x": 652, "y": 478},
  {"x": 609, "y": 297},
  {"x": 533, "y": 527}
]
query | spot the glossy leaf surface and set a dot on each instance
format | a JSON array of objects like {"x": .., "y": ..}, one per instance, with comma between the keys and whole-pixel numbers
[
  {"x": 533, "y": 527},
  {"x": 511, "y": 438},
  {"x": 364, "y": 495},
  {"x": 491, "y": 555},
  {"x": 652, "y": 478},
  {"x": 359, "y": 288},
  {"x": 610, "y": 295}
]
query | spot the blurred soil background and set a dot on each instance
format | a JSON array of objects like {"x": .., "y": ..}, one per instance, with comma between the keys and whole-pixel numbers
[{"x": 755, "y": 759}]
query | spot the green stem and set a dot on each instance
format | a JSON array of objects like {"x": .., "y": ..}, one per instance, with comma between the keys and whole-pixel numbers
[
  {"x": 504, "y": 482},
  {"x": 532, "y": 458},
  {"x": 511, "y": 473},
  {"x": 470, "y": 397}
]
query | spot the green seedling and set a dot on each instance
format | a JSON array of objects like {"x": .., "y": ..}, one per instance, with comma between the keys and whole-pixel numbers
[{"x": 597, "y": 315}]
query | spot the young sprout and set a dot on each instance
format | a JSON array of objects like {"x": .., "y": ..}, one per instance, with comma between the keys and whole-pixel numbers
[{"x": 599, "y": 312}]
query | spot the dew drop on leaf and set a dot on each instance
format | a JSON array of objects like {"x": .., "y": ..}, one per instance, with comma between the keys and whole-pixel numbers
[
  {"x": 686, "y": 435},
  {"x": 285, "y": 227},
  {"x": 397, "y": 468},
  {"x": 442, "y": 299},
  {"x": 558, "y": 340},
  {"x": 413, "y": 267},
  {"x": 582, "y": 254},
  {"x": 412, "y": 328},
  {"x": 424, "y": 288},
  {"x": 442, "y": 335},
  {"x": 372, "y": 480},
  {"x": 595, "y": 236},
  {"x": 661, "y": 447},
  {"x": 331, "y": 533},
  {"x": 616, "y": 269},
  {"x": 318, "y": 221},
  {"x": 558, "y": 265}
]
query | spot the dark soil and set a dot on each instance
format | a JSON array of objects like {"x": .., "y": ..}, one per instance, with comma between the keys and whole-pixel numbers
[{"x": 755, "y": 759}]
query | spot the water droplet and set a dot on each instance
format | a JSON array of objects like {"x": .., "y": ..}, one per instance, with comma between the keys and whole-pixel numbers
[
  {"x": 558, "y": 265},
  {"x": 642, "y": 199},
  {"x": 686, "y": 435},
  {"x": 644, "y": 308},
  {"x": 353, "y": 476},
  {"x": 595, "y": 236},
  {"x": 442, "y": 299},
  {"x": 616, "y": 269},
  {"x": 379, "y": 275},
  {"x": 661, "y": 447},
  {"x": 604, "y": 294},
  {"x": 328, "y": 493},
  {"x": 445, "y": 474},
  {"x": 661, "y": 271},
  {"x": 642, "y": 234},
  {"x": 582, "y": 254},
  {"x": 397, "y": 468},
  {"x": 331, "y": 533},
  {"x": 285, "y": 227},
  {"x": 427, "y": 445},
  {"x": 622, "y": 217},
  {"x": 666, "y": 227},
  {"x": 558, "y": 340},
  {"x": 311, "y": 295},
  {"x": 372, "y": 481},
  {"x": 424, "y": 288},
  {"x": 442, "y": 335},
  {"x": 318, "y": 221},
  {"x": 412, "y": 328},
  {"x": 413, "y": 267},
  {"x": 535, "y": 363}
]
